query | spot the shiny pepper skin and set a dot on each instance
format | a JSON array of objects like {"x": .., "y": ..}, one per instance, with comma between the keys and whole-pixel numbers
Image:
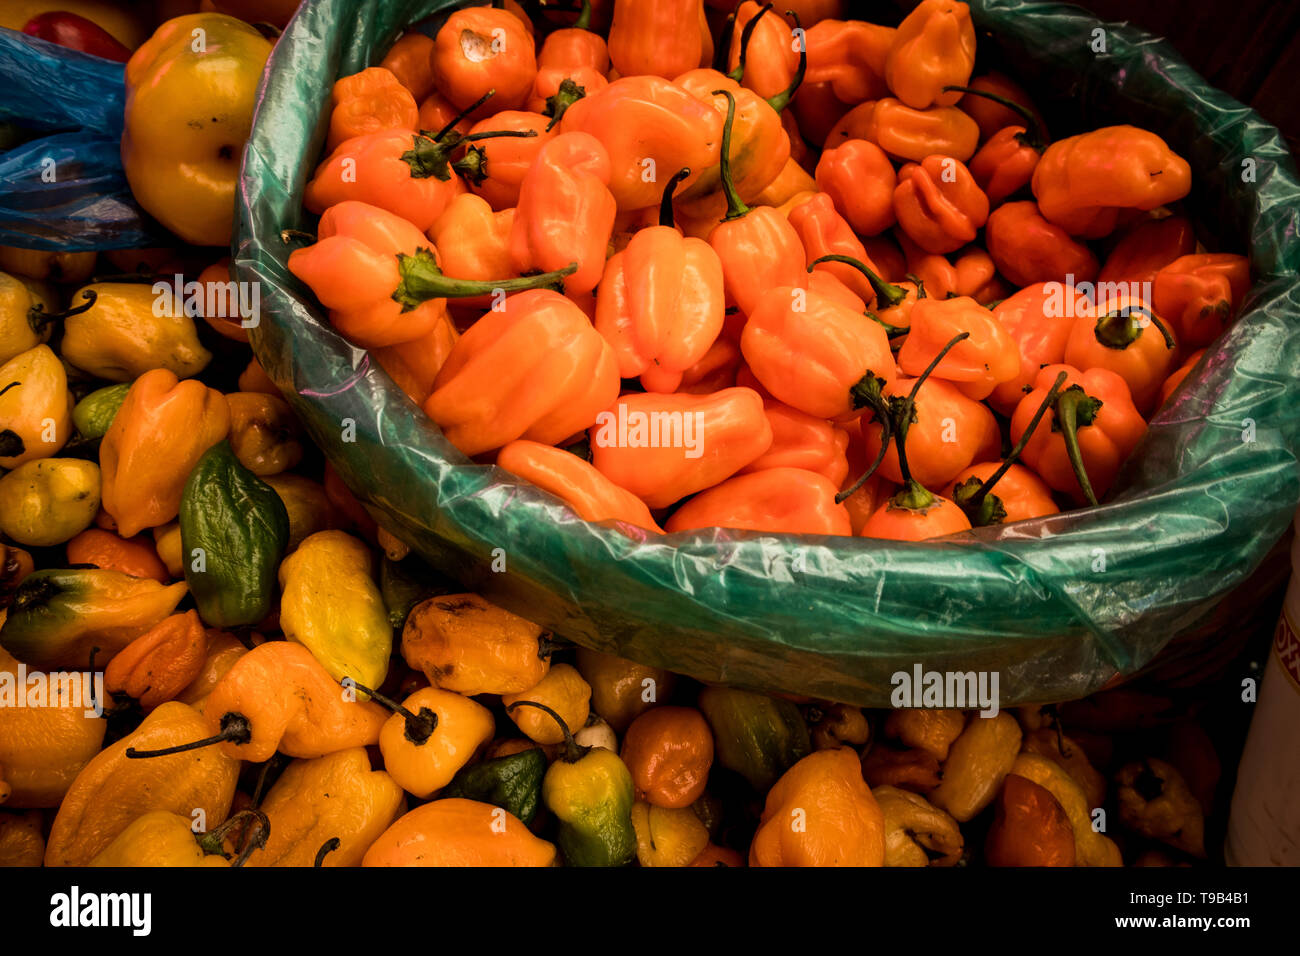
[
  {"x": 1028, "y": 249},
  {"x": 622, "y": 690},
  {"x": 161, "y": 662},
  {"x": 824, "y": 231},
  {"x": 933, "y": 48},
  {"x": 938, "y": 204},
  {"x": 703, "y": 439},
  {"x": 1147, "y": 247},
  {"x": 912, "y": 134},
  {"x": 159, "y": 838},
  {"x": 480, "y": 49},
  {"x": 1125, "y": 335},
  {"x": 1005, "y": 164},
  {"x": 565, "y": 692},
  {"x": 820, "y": 813},
  {"x": 574, "y": 480},
  {"x": 850, "y": 55},
  {"x": 860, "y": 179},
  {"x": 1030, "y": 827},
  {"x": 35, "y": 407},
  {"x": 663, "y": 39},
  {"x": 571, "y": 53},
  {"x": 123, "y": 335},
  {"x": 800, "y": 440},
  {"x": 424, "y": 751},
  {"x": 771, "y": 58},
  {"x": 458, "y": 832},
  {"x": 775, "y": 500},
  {"x": 1198, "y": 295},
  {"x": 976, "y": 365},
  {"x": 495, "y": 168},
  {"x": 669, "y": 751},
  {"x": 536, "y": 369},
  {"x": 1038, "y": 318},
  {"x": 48, "y": 501},
  {"x": 157, "y": 437},
  {"x": 757, "y": 736},
  {"x": 465, "y": 644}
]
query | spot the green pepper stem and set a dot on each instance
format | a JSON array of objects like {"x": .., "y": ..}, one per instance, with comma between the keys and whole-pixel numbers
[
  {"x": 886, "y": 292},
  {"x": 1072, "y": 405},
  {"x": 885, "y": 435},
  {"x": 568, "y": 93},
  {"x": 422, "y": 280},
  {"x": 455, "y": 120},
  {"x": 573, "y": 751},
  {"x": 905, "y": 416},
  {"x": 781, "y": 100},
  {"x": 431, "y": 157},
  {"x": 1118, "y": 330},
  {"x": 419, "y": 727},
  {"x": 738, "y": 73},
  {"x": 735, "y": 208},
  {"x": 722, "y": 52},
  {"x": 213, "y": 842},
  {"x": 235, "y": 729},
  {"x": 1034, "y": 128},
  {"x": 666, "y": 204},
  {"x": 326, "y": 848},
  {"x": 584, "y": 18},
  {"x": 38, "y": 318}
]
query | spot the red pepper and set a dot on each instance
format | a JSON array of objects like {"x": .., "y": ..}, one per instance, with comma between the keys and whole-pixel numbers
[
  {"x": 1200, "y": 294},
  {"x": 938, "y": 204},
  {"x": 976, "y": 365},
  {"x": 776, "y": 500},
  {"x": 1028, "y": 249},
  {"x": 76, "y": 33}
]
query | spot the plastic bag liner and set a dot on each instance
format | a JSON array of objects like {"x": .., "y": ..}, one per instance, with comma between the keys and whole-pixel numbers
[
  {"x": 1058, "y": 606},
  {"x": 66, "y": 191}
]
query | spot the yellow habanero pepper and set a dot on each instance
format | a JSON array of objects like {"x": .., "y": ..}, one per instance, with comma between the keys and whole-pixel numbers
[
  {"x": 330, "y": 604},
  {"x": 562, "y": 690},
  {"x": 47, "y": 502},
  {"x": 164, "y": 838},
  {"x": 21, "y": 842},
  {"x": 157, "y": 437},
  {"x": 45, "y": 265},
  {"x": 335, "y": 797},
  {"x": 121, "y": 335},
  {"x": 667, "y": 837},
  {"x": 22, "y": 306},
  {"x": 190, "y": 92},
  {"x": 467, "y": 644},
  {"x": 977, "y": 763},
  {"x": 35, "y": 407},
  {"x": 307, "y": 504}
]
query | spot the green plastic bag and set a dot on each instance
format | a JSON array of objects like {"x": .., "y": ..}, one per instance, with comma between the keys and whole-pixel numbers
[{"x": 1057, "y": 606}]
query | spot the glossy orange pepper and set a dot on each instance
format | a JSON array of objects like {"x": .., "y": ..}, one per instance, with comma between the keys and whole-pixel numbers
[
  {"x": 661, "y": 302},
  {"x": 948, "y": 432},
  {"x": 763, "y": 56},
  {"x": 1125, "y": 335},
  {"x": 1020, "y": 494},
  {"x": 1148, "y": 246},
  {"x": 1082, "y": 182},
  {"x": 1176, "y": 379},
  {"x": 651, "y": 128},
  {"x": 774, "y": 500},
  {"x": 702, "y": 440},
  {"x": 715, "y": 371},
  {"x": 480, "y": 49},
  {"x": 458, "y": 832},
  {"x": 103, "y": 549},
  {"x": 473, "y": 242},
  {"x": 576, "y": 54},
  {"x": 161, "y": 662},
  {"x": 496, "y": 168},
  {"x": 408, "y": 60},
  {"x": 1005, "y": 164},
  {"x": 157, "y": 437},
  {"x": 664, "y": 39},
  {"x": 823, "y": 231},
  {"x": 1038, "y": 318},
  {"x": 369, "y": 102},
  {"x": 850, "y": 55},
  {"x": 757, "y": 246},
  {"x": 380, "y": 278},
  {"x": 415, "y": 364},
  {"x": 437, "y": 112},
  {"x": 915, "y": 514},
  {"x": 430, "y": 736},
  {"x": 992, "y": 115},
  {"x": 852, "y": 124},
  {"x": 669, "y": 751},
  {"x": 938, "y": 204},
  {"x": 859, "y": 177},
  {"x": 1199, "y": 295},
  {"x": 1091, "y": 430},
  {"x": 820, "y": 813},
  {"x": 975, "y": 275},
  {"x": 816, "y": 354},
  {"x": 934, "y": 272},
  {"x": 976, "y": 365},
  {"x": 533, "y": 369},
  {"x": 787, "y": 187},
  {"x": 279, "y": 697},
  {"x": 933, "y": 48},
  {"x": 573, "y": 480},
  {"x": 1028, "y": 249},
  {"x": 566, "y": 211},
  {"x": 803, "y": 441},
  {"x": 909, "y": 134}
]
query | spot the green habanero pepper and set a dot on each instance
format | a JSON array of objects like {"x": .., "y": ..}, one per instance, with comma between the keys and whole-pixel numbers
[
  {"x": 59, "y": 615},
  {"x": 406, "y": 583},
  {"x": 94, "y": 413},
  {"x": 513, "y": 782},
  {"x": 234, "y": 531},
  {"x": 590, "y": 791},
  {"x": 757, "y": 736}
]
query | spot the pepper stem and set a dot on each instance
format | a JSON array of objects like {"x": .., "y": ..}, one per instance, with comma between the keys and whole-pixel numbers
[
  {"x": 213, "y": 842},
  {"x": 914, "y": 496},
  {"x": 886, "y": 433},
  {"x": 738, "y": 73},
  {"x": 584, "y": 18},
  {"x": 1075, "y": 409},
  {"x": 419, "y": 727},
  {"x": 422, "y": 280},
  {"x": 781, "y": 100},
  {"x": 455, "y": 120},
  {"x": 723, "y": 50},
  {"x": 666, "y": 204},
  {"x": 38, "y": 318},
  {"x": 326, "y": 848},
  {"x": 573, "y": 751},
  {"x": 1032, "y": 126},
  {"x": 1118, "y": 330},
  {"x": 431, "y": 157},
  {"x": 979, "y": 506},
  {"x": 735, "y": 208},
  {"x": 289, "y": 234},
  {"x": 886, "y": 292},
  {"x": 568, "y": 93},
  {"x": 235, "y": 729}
]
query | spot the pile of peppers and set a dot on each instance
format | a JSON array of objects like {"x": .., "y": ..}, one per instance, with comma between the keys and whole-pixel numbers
[{"x": 853, "y": 285}]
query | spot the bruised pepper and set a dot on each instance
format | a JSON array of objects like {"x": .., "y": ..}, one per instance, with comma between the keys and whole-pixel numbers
[
  {"x": 756, "y": 736},
  {"x": 534, "y": 369},
  {"x": 380, "y": 279},
  {"x": 590, "y": 792},
  {"x": 190, "y": 93},
  {"x": 480, "y": 49},
  {"x": 162, "y": 838},
  {"x": 572, "y": 479}
]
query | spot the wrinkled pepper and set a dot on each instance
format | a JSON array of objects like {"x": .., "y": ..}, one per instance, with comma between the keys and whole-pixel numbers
[
  {"x": 512, "y": 782},
  {"x": 917, "y": 833},
  {"x": 756, "y": 736},
  {"x": 160, "y": 663},
  {"x": 938, "y": 203},
  {"x": 371, "y": 101},
  {"x": 1199, "y": 295},
  {"x": 125, "y": 333},
  {"x": 48, "y": 501}
]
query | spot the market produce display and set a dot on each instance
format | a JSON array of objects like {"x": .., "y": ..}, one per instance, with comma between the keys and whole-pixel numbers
[{"x": 681, "y": 267}]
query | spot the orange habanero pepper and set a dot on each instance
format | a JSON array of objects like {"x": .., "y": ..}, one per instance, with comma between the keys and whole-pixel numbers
[
  {"x": 665, "y": 38},
  {"x": 680, "y": 463},
  {"x": 976, "y": 365},
  {"x": 534, "y": 369},
  {"x": 934, "y": 48},
  {"x": 1200, "y": 294},
  {"x": 1082, "y": 182},
  {"x": 566, "y": 211},
  {"x": 763, "y": 56},
  {"x": 576, "y": 482},
  {"x": 1006, "y": 162},
  {"x": 774, "y": 500},
  {"x": 938, "y": 204},
  {"x": 861, "y": 180},
  {"x": 574, "y": 54},
  {"x": 823, "y": 232},
  {"x": 1147, "y": 247},
  {"x": 976, "y": 275},
  {"x": 1021, "y": 494},
  {"x": 408, "y": 60},
  {"x": 458, "y": 832},
  {"x": 993, "y": 113},
  {"x": 133, "y": 556},
  {"x": 669, "y": 751},
  {"x": 480, "y": 49},
  {"x": 161, "y": 662},
  {"x": 161, "y": 430},
  {"x": 800, "y": 440},
  {"x": 1028, "y": 249},
  {"x": 496, "y": 169},
  {"x": 369, "y": 102},
  {"x": 473, "y": 242},
  {"x": 1176, "y": 379},
  {"x": 1118, "y": 335},
  {"x": 850, "y": 55},
  {"x": 1038, "y": 318},
  {"x": 415, "y": 364},
  {"x": 909, "y": 134}
]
